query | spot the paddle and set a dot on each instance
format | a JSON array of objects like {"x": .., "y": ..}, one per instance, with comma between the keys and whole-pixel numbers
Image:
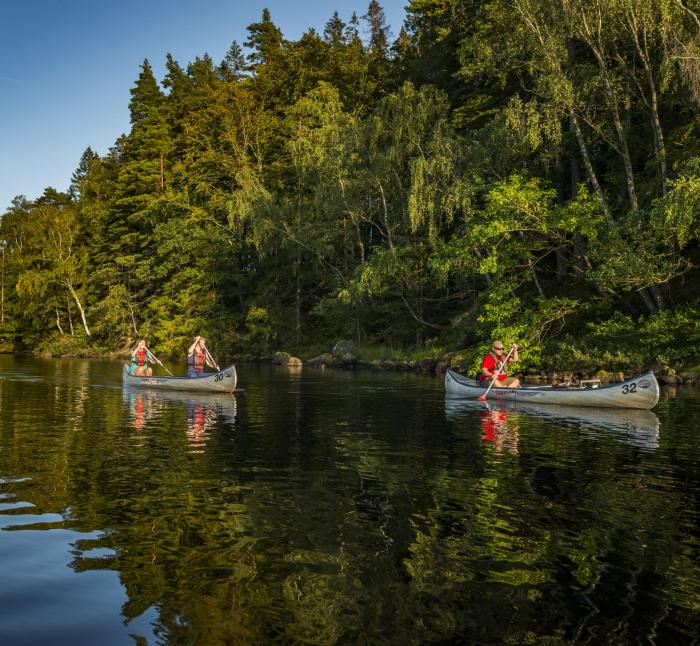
[
  {"x": 498, "y": 372},
  {"x": 160, "y": 363},
  {"x": 211, "y": 358}
]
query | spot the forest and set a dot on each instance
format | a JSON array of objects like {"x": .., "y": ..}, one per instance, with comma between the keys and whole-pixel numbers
[{"x": 518, "y": 169}]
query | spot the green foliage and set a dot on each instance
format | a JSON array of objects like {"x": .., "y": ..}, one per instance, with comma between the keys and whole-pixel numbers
[
  {"x": 65, "y": 345},
  {"x": 257, "y": 335},
  {"x": 510, "y": 169}
]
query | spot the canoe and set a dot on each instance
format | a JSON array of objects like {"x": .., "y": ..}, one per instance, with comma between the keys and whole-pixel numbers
[
  {"x": 641, "y": 391},
  {"x": 223, "y": 381},
  {"x": 636, "y": 427}
]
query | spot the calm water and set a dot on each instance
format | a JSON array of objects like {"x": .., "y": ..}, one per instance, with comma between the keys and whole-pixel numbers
[{"x": 335, "y": 507}]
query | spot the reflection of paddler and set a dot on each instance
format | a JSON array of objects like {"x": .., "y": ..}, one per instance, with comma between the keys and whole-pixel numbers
[
  {"x": 632, "y": 426},
  {"x": 495, "y": 428},
  {"x": 199, "y": 419},
  {"x": 138, "y": 413},
  {"x": 141, "y": 408},
  {"x": 491, "y": 422}
]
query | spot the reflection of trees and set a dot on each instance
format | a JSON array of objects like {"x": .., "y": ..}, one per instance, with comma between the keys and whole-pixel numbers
[{"x": 364, "y": 519}]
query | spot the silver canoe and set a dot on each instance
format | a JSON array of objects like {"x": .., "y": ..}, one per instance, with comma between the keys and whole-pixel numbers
[
  {"x": 639, "y": 392},
  {"x": 223, "y": 381}
]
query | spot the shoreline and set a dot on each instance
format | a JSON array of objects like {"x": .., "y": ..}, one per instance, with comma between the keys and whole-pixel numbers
[{"x": 666, "y": 375}]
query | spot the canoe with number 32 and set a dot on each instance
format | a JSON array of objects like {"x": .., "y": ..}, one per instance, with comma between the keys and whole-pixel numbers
[{"x": 641, "y": 391}]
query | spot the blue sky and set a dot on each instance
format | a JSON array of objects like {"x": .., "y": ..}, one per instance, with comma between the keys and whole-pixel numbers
[{"x": 66, "y": 68}]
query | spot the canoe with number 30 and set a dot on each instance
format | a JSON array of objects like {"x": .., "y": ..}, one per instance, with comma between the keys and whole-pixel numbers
[
  {"x": 641, "y": 391},
  {"x": 223, "y": 381}
]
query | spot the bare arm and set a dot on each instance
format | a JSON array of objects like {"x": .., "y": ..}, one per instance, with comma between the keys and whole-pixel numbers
[{"x": 516, "y": 354}]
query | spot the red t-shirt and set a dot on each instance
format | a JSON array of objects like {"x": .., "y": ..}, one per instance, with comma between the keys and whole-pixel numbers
[{"x": 490, "y": 364}]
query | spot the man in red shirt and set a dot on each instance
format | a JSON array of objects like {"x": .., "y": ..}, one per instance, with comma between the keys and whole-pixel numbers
[{"x": 493, "y": 361}]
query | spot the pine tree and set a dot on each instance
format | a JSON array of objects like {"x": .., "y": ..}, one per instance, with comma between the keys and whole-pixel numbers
[
  {"x": 264, "y": 39},
  {"x": 378, "y": 30},
  {"x": 80, "y": 174},
  {"x": 334, "y": 31},
  {"x": 233, "y": 67},
  {"x": 145, "y": 95}
]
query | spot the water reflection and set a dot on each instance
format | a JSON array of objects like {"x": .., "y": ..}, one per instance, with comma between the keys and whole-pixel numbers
[
  {"x": 500, "y": 420},
  {"x": 499, "y": 428},
  {"x": 201, "y": 412},
  {"x": 338, "y": 508}
]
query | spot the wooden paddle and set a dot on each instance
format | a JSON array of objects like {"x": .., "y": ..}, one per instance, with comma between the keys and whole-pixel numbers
[
  {"x": 504, "y": 363},
  {"x": 211, "y": 358},
  {"x": 160, "y": 363}
]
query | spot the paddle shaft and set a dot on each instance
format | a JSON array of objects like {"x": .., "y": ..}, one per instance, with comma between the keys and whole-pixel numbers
[
  {"x": 498, "y": 373},
  {"x": 160, "y": 363},
  {"x": 210, "y": 357}
]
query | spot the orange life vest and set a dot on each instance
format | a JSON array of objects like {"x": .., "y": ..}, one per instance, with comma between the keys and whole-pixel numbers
[
  {"x": 196, "y": 360},
  {"x": 141, "y": 356}
]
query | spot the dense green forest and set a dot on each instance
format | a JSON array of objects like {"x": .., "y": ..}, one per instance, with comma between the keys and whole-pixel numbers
[{"x": 521, "y": 169}]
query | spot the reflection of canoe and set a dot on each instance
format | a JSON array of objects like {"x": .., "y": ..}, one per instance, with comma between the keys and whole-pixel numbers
[
  {"x": 220, "y": 404},
  {"x": 222, "y": 381},
  {"x": 639, "y": 392},
  {"x": 637, "y": 427}
]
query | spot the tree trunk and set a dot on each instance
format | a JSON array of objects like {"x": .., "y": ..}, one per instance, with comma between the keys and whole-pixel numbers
[
  {"x": 386, "y": 216},
  {"x": 659, "y": 144},
  {"x": 592, "y": 178},
  {"x": 648, "y": 301},
  {"x": 658, "y": 298},
  {"x": 536, "y": 280},
  {"x": 80, "y": 307},
  {"x": 592, "y": 39},
  {"x": 297, "y": 327},
  {"x": 58, "y": 320}
]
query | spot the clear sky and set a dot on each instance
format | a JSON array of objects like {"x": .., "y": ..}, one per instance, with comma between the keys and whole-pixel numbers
[{"x": 66, "y": 68}]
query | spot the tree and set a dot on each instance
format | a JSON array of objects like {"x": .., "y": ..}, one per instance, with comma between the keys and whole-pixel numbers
[
  {"x": 264, "y": 39},
  {"x": 80, "y": 174},
  {"x": 233, "y": 67}
]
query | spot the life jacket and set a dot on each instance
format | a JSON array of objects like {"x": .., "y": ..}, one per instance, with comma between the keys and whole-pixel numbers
[
  {"x": 498, "y": 365},
  {"x": 141, "y": 356},
  {"x": 196, "y": 360}
]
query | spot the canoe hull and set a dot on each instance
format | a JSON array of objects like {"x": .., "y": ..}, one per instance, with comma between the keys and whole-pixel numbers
[
  {"x": 223, "y": 381},
  {"x": 639, "y": 392}
]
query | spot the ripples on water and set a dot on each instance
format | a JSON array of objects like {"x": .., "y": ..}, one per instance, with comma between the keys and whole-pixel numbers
[{"x": 326, "y": 507}]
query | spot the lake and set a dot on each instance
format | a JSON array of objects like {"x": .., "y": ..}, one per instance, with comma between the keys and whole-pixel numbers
[{"x": 324, "y": 507}]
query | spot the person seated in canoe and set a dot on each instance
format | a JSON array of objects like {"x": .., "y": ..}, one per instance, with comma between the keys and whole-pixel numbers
[
  {"x": 494, "y": 362},
  {"x": 140, "y": 358},
  {"x": 197, "y": 357}
]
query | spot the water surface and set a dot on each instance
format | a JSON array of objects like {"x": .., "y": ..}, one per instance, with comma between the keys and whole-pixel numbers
[{"x": 324, "y": 507}]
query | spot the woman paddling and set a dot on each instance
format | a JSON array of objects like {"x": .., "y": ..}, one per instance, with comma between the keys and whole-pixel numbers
[
  {"x": 197, "y": 357},
  {"x": 140, "y": 358}
]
